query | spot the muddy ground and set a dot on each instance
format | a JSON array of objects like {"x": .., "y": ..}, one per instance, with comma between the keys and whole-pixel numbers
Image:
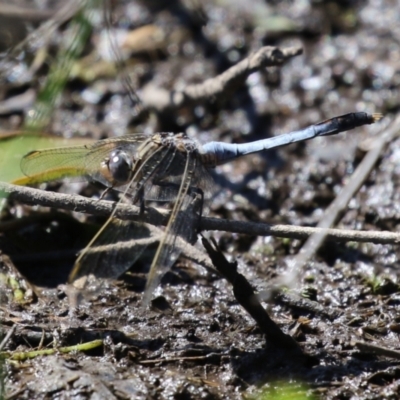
[{"x": 196, "y": 341}]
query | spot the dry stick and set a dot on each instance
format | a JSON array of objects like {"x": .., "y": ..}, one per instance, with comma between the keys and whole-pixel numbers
[
  {"x": 161, "y": 99},
  {"x": 246, "y": 297},
  {"x": 380, "y": 351},
  {"x": 159, "y": 217},
  {"x": 338, "y": 205},
  {"x": 23, "y": 13},
  {"x": 16, "y": 392},
  {"x": 208, "y": 357},
  {"x": 8, "y": 336},
  {"x": 296, "y": 301},
  {"x": 40, "y": 36},
  {"x": 25, "y": 355}
]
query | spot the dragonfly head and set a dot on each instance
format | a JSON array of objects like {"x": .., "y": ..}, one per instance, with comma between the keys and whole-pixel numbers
[{"x": 120, "y": 166}]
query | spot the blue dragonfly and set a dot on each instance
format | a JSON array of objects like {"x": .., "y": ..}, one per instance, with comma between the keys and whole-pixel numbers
[{"x": 161, "y": 167}]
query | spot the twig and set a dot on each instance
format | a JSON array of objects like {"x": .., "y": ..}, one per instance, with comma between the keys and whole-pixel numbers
[
  {"x": 302, "y": 303},
  {"x": 24, "y": 13},
  {"x": 207, "y": 357},
  {"x": 40, "y": 36},
  {"x": 42, "y": 339},
  {"x": 380, "y": 351},
  {"x": 246, "y": 297},
  {"x": 162, "y": 99},
  {"x": 298, "y": 232},
  {"x": 8, "y": 336},
  {"x": 16, "y": 393},
  {"x": 21, "y": 356},
  {"x": 159, "y": 217}
]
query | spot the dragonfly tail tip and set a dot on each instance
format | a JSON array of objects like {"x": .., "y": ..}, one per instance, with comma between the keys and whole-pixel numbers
[{"x": 377, "y": 117}]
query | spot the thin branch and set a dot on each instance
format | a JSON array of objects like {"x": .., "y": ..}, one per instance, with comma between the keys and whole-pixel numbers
[
  {"x": 210, "y": 357},
  {"x": 296, "y": 301},
  {"x": 378, "y": 350},
  {"x": 298, "y": 232},
  {"x": 25, "y": 355},
  {"x": 246, "y": 297},
  {"x": 25, "y": 13},
  {"x": 162, "y": 99},
  {"x": 7, "y": 337},
  {"x": 159, "y": 217},
  {"x": 40, "y": 36}
]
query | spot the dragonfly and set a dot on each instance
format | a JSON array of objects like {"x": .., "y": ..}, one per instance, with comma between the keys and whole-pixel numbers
[{"x": 160, "y": 167}]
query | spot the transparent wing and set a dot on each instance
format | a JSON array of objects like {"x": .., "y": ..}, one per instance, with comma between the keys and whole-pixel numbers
[
  {"x": 58, "y": 163},
  {"x": 119, "y": 246},
  {"x": 119, "y": 243},
  {"x": 180, "y": 223},
  {"x": 54, "y": 164}
]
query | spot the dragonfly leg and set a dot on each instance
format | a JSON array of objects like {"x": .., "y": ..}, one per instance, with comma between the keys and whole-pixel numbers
[
  {"x": 105, "y": 192},
  {"x": 139, "y": 197},
  {"x": 142, "y": 206},
  {"x": 198, "y": 203},
  {"x": 196, "y": 210}
]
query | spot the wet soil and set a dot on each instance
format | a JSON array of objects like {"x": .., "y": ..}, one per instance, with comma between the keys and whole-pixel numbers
[{"x": 195, "y": 341}]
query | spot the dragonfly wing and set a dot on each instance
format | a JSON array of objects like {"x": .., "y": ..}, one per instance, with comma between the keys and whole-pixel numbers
[
  {"x": 180, "y": 224},
  {"x": 58, "y": 163},
  {"x": 116, "y": 249},
  {"x": 119, "y": 244},
  {"x": 54, "y": 164}
]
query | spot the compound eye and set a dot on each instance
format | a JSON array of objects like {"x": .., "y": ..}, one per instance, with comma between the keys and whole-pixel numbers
[{"x": 120, "y": 166}]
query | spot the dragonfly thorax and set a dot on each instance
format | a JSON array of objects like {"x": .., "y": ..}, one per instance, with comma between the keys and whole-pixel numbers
[
  {"x": 120, "y": 166},
  {"x": 179, "y": 141}
]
